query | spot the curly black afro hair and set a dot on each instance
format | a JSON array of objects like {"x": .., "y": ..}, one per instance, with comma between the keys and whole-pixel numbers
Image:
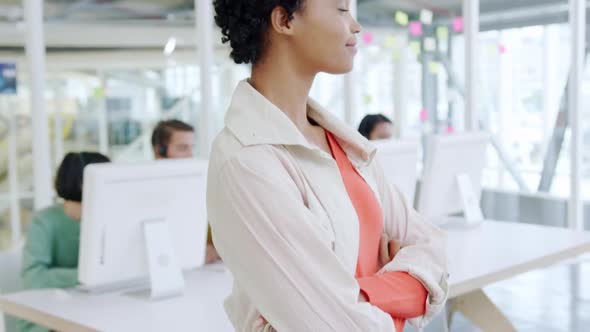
[{"x": 244, "y": 24}]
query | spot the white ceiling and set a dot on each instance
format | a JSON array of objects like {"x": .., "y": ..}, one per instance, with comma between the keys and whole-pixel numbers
[{"x": 149, "y": 23}]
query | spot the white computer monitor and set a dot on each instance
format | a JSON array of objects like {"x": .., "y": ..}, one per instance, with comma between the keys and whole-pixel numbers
[
  {"x": 451, "y": 181},
  {"x": 399, "y": 159},
  {"x": 142, "y": 222}
]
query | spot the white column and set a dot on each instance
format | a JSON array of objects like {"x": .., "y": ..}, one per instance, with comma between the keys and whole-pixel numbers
[
  {"x": 348, "y": 86},
  {"x": 147, "y": 104},
  {"x": 103, "y": 125},
  {"x": 58, "y": 141},
  {"x": 187, "y": 94},
  {"x": 471, "y": 30},
  {"x": 204, "y": 18},
  {"x": 15, "y": 217},
  {"x": 551, "y": 88},
  {"x": 577, "y": 16},
  {"x": 505, "y": 101},
  {"x": 226, "y": 88},
  {"x": 400, "y": 92},
  {"x": 58, "y": 138},
  {"x": 35, "y": 49}
]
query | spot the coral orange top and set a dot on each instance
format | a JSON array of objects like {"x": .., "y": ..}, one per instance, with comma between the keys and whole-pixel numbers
[{"x": 397, "y": 293}]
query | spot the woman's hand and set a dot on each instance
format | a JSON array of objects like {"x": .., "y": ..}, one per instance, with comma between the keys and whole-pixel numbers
[
  {"x": 211, "y": 255},
  {"x": 389, "y": 249},
  {"x": 261, "y": 325},
  {"x": 362, "y": 297}
]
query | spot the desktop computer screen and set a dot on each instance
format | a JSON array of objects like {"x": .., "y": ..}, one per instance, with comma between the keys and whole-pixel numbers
[
  {"x": 451, "y": 181},
  {"x": 119, "y": 200},
  {"x": 399, "y": 159}
]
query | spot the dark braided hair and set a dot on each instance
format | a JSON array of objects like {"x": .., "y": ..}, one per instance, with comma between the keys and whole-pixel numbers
[{"x": 244, "y": 24}]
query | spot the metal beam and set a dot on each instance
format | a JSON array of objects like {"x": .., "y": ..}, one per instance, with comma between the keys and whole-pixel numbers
[
  {"x": 129, "y": 35},
  {"x": 494, "y": 15},
  {"x": 557, "y": 137},
  {"x": 93, "y": 60},
  {"x": 555, "y": 144}
]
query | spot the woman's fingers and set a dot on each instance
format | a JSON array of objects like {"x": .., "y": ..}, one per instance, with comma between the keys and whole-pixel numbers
[
  {"x": 262, "y": 325},
  {"x": 384, "y": 256},
  {"x": 394, "y": 247},
  {"x": 211, "y": 255},
  {"x": 259, "y": 323}
]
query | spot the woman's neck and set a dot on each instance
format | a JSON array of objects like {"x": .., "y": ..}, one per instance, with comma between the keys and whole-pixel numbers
[
  {"x": 73, "y": 210},
  {"x": 286, "y": 87}
]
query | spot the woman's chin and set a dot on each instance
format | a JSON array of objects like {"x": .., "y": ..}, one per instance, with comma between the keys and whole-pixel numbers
[{"x": 338, "y": 70}]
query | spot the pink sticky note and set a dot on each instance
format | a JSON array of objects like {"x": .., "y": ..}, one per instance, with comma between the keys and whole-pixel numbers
[
  {"x": 367, "y": 38},
  {"x": 458, "y": 24},
  {"x": 502, "y": 49},
  {"x": 423, "y": 115},
  {"x": 450, "y": 129},
  {"x": 415, "y": 28}
]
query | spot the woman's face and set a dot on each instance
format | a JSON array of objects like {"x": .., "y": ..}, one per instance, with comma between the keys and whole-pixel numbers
[
  {"x": 382, "y": 130},
  {"x": 324, "y": 36}
]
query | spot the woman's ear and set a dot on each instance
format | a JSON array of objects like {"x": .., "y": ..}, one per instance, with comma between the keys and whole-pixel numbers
[{"x": 280, "y": 21}]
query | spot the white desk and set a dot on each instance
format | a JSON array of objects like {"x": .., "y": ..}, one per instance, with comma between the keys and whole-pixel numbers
[
  {"x": 497, "y": 251},
  {"x": 477, "y": 257},
  {"x": 500, "y": 250},
  {"x": 200, "y": 308}
]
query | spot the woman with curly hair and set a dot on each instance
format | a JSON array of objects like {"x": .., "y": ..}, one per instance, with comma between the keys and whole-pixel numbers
[{"x": 300, "y": 209}]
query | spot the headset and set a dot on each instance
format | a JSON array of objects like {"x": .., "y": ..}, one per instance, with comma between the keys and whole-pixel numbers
[
  {"x": 162, "y": 149},
  {"x": 166, "y": 128}
]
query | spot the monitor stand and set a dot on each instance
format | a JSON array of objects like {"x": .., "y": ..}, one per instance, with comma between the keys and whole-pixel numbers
[
  {"x": 166, "y": 278},
  {"x": 165, "y": 275},
  {"x": 471, "y": 209},
  {"x": 472, "y": 214}
]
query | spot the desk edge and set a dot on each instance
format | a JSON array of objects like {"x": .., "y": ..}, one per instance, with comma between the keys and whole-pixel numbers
[
  {"x": 478, "y": 283},
  {"x": 27, "y": 313}
]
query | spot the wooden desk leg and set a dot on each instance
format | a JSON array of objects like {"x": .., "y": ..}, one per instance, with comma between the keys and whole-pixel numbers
[{"x": 481, "y": 311}]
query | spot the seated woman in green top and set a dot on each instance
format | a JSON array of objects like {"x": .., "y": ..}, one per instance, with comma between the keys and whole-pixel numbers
[{"x": 50, "y": 257}]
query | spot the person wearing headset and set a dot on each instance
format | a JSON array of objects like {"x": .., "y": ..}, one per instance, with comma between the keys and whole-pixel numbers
[
  {"x": 299, "y": 206},
  {"x": 174, "y": 139},
  {"x": 50, "y": 255}
]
